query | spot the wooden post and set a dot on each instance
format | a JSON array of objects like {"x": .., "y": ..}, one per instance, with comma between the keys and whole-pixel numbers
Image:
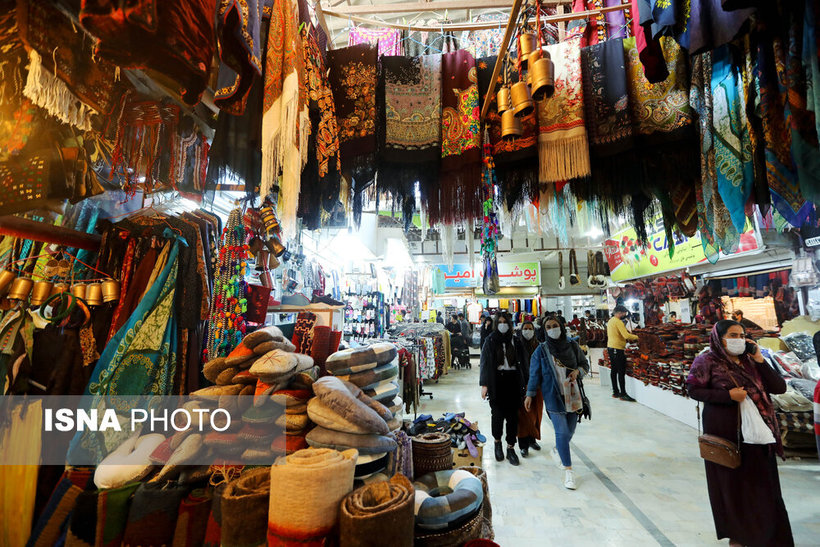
[{"x": 502, "y": 52}]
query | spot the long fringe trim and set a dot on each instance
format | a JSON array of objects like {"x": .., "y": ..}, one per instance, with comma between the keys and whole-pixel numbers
[
  {"x": 563, "y": 159},
  {"x": 53, "y": 95}
]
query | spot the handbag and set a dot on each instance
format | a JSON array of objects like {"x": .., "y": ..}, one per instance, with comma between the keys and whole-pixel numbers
[
  {"x": 718, "y": 450},
  {"x": 586, "y": 410}
]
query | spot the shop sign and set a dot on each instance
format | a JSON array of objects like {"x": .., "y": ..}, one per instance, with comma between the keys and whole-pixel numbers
[
  {"x": 628, "y": 260},
  {"x": 510, "y": 274}
]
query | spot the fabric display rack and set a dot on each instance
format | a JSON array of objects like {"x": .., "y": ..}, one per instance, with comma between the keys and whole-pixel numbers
[{"x": 365, "y": 316}]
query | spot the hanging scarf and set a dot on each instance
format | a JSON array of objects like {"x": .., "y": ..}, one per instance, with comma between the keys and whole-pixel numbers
[
  {"x": 606, "y": 103},
  {"x": 388, "y": 40},
  {"x": 353, "y": 79},
  {"x": 704, "y": 25},
  {"x": 563, "y": 148},
  {"x": 63, "y": 78},
  {"x": 733, "y": 147},
  {"x": 715, "y": 369},
  {"x": 460, "y": 178},
  {"x": 321, "y": 176},
  {"x": 285, "y": 123},
  {"x": 649, "y": 48},
  {"x": 239, "y": 31},
  {"x": 173, "y": 38},
  {"x": 412, "y": 137}
]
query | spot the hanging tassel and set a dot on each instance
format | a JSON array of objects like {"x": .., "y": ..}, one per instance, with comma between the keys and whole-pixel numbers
[{"x": 52, "y": 95}]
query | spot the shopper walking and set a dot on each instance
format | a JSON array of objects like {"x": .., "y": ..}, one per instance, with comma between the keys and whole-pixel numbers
[
  {"x": 616, "y": 338},
  {"x": 529, "y": 421},
  {"x": 556, "y": 367},
  {"x": 502, "y": 380},
  {"x": 486, "y": 330},
  {"x": 453, "y": 326},
  {"x": 466, "y": 328},
  {"x": 747, "y": 504},
  {"x": 439, "y": 318}
]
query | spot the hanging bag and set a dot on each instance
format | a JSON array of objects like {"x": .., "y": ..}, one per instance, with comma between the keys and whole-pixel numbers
[
  {"x": 574, "y": 279},
  {"x": 754, "y": 429},
  {"x": 718, "y": 450}
]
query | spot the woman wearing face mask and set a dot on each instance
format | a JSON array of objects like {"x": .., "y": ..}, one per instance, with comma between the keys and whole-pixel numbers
[
  {"x": 502, "y": 379},
  {"x": 555, "y": 367},
  {"x": 529, "y": 421},
  {"x": 747, "y": 504},
  {"x": 486, "y": 329}
]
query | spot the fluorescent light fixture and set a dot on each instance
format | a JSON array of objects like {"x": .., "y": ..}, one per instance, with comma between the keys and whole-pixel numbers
[{"x": 595, "y": 232}]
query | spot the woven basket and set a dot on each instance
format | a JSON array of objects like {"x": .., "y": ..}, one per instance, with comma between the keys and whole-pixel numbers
[
  {"x": 469, "y": 531},
  {"x": 486, "y": 507},
  {"x": 431, "y": 452}
]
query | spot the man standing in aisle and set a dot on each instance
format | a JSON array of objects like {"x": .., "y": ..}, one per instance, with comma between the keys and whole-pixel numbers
[
  {"x": 616, "y": 338},
  {"x": 466, "y": 328},
  {"x": 439, "y": 318},
  {"x": 737, "y": 315}
]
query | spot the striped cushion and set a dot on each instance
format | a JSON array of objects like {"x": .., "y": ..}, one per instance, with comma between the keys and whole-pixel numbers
[
  {"x": 383, "y": 392},
  {"x": 350, "y": 361},
  {"x": 462, "y": 496},
  {"x": 373, "y": 376}
]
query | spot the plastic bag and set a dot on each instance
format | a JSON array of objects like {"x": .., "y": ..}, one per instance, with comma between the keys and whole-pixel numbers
[{"x": 754, "y": 429}]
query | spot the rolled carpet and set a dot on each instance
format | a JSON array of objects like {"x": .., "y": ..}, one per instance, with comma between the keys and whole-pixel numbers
[
  {"x": 322, "y": 437},
  {"x": 153, "y": 515},
  {"x": 244, "y": 509},
  {"x": 378, "y": 514},
  {"x": 192, "y": 521},
  {"x": 306, "y": 489}
]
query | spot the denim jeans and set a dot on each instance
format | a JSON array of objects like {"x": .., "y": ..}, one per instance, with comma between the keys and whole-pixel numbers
[{"x": 564, "y": 425}]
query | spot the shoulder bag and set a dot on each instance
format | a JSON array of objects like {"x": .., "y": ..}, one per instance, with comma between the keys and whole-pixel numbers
[{"x": 718, "y": 450}]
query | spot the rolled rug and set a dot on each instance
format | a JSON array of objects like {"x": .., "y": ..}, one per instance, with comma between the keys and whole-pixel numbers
[
  {"x": 153, "y": 515},
  {"x": 378, "y": 514},
  {"x": 192, "y": 521},
  {"x": 432, "y": 452},
  {"x": 368, "y": 465},
  {"x": 306, "y": 489},
  {"x": 244, "y": 509},
  {"x": 321, "y": 437}
]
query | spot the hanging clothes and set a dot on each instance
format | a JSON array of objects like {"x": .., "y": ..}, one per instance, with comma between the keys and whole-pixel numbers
[{"x": 239, "y": 33}]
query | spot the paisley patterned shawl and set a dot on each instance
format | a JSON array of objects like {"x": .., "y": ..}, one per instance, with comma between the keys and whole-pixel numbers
[{"x": 606, "y": 100}]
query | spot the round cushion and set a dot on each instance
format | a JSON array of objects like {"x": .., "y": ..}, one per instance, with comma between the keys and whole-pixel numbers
[{"x": 445, "y": 498}]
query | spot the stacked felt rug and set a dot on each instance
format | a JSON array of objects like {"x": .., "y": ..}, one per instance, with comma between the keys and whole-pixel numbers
[
  {"x": 347, "y": 418},
  {"x": 378, "y": 514},
  {"x": 306, "y": 490},
  {"x": 448, "y": 508}
]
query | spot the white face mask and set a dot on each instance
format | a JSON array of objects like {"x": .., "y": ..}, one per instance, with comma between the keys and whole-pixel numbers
[
  {"x": 528, "y": 334},
  {"x": 735, "y": 346},
  {"x": 503, "y": 328},
  {"x": 555, "y": 333}
]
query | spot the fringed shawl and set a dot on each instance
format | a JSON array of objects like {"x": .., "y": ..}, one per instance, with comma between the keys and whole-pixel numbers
[
  {"x": 173, "y": 38},
  {"x": 563, "y": 148},
  {"x": 606, "y": 102},
  {"x": 412, "y": 136},
  {"x": 460, "y": 179},
  {"x": 285, "y": 118},
  {"x": 239, "y": 24}
]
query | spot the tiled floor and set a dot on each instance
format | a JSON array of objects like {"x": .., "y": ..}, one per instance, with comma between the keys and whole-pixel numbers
[{"x": 640, "y": 478}]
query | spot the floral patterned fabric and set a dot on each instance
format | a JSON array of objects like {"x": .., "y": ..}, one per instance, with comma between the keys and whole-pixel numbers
[
  {"x": 388, "y": 40},
  {"x": 606, "y": 100}
]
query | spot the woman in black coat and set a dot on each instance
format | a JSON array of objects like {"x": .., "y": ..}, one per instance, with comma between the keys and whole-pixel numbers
[{"x": 502, "y": 381}]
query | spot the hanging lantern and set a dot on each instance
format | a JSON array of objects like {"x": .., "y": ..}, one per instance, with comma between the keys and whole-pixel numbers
[
  {"x": 542, "y": 77},
  {"x": 503, "y": 99},
  {"x": 94, "y": 294},
  {"x": 510, "y": 125},
  {"x": 526, "y": 45},
  {"x": 21, "y": 288},
  {"x": 110, "y": 290},
  {"x": 41, "y": 292},
  {"x": 521, "y": 99}
]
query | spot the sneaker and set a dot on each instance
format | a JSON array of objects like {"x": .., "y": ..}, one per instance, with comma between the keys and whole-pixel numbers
[
  {"x": 627, "y": 398},
  {"x": 534, "y": 445},
  {"x": 499, "y": 452},
  {"x": 569, "y": 480},
  {"x": 512, "y": 457},
  {"x": 556, "y": 458}
]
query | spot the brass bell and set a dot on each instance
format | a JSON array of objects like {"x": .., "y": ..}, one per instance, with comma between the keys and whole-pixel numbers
[
  {"x": 536, "y": 54},
  {"x": 21, "y": 288},
  {"x": 521, "y": 99},
  {"x": 58, "y": 288},
  {"x": 110, "y": 290},
  {"x": 503, "y": 99},
  {"x": 510, "y": 125},
  {"x": 41, "y": 292},
  {"x": 94, "y": 294},
  {"x": 262, "y": 260},
  {"x": 78, "y": 290},
  {"x": 527, "y": 42},
  {"x": 6, "y": 277},
  {"x": 276, "y": 247},
  {"x": 542, "y": 77}
]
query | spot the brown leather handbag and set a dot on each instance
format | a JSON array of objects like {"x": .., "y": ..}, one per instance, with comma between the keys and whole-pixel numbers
[{"x": 717, "y": 449}]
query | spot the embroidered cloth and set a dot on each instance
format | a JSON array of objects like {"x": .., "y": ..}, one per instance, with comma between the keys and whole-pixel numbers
[{"x": 239, "y": 24}]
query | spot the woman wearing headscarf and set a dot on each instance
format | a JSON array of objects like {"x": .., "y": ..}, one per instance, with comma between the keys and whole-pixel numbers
[
  {"x": 747, "y": 504},
  {"x": 486, "y": 329},
  {"x": 529, "y": 421},
  {"x": 502, "y": 380},
  {"x": 556, "y": 367}
]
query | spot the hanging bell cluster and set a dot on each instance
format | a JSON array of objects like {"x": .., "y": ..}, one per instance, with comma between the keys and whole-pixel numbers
[{"x": 518, "y": 100}]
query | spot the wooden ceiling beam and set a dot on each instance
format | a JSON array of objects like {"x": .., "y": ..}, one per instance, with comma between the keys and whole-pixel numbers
[{"x": 435, "y": 5}]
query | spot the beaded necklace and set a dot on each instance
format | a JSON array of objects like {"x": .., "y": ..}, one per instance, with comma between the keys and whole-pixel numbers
[{"x": 226, "y": 326}]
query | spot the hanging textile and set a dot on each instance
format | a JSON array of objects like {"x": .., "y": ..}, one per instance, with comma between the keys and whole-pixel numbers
[
  {"x": 353, "y": 78},
  {"x": 563, "y": 146},
  {"x": 239, "y": 32},
  {"x": 733, "y": 148},
  {"x": 18, "y": 117},
  {"x": 460, "y": 177},
  {"x": 18, "y": 483},
  {"x": 285, "y": 123},
  {"x": 321, "y": 177},
  {"x": 412, "y": 137},
  {"x": 173, "y": 37},
  {"x": 388, "y": 40},
  {"x": 485, "y": 42},
  {"x": 703, "y": 25},
  {"x": 649, "y": 48}
]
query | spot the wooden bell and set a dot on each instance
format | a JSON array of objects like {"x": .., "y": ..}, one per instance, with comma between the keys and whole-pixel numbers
[
  {"x": 21, "y": 288},
  {"x": 94, "y": 294},
  {"x": 542, "y": 77},
  {"x": 522, "y": 103},
  {"x": 41, "y": 292},
  {"x": 110, "y": 290},
  {"x": 503, "y": 99},
  {"x": 527, "y": 42},
  {"x": 510, "y": 125}
]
